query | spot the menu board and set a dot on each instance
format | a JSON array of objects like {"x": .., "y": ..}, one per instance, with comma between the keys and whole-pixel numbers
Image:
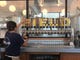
[
  {"x": 61, "y": 22},
  {"x": 41, "y": 22},
  {"x": 33, "y": 22},
  {"x": 49, "y": 22},
  {"x": 67, "y": 22}
]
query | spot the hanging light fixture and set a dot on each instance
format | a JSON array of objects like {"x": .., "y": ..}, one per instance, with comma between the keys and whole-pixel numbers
[
  {"x": 44, "y": 11},
  {"x": 41, "y": 3},
  {"x": 63, "y": 12},
  {"x": 59, "y": 3},
  {"x": 24, "y": 12},
  {"x": 3, "y": 3},
  {"x": 12, "y": 8}
]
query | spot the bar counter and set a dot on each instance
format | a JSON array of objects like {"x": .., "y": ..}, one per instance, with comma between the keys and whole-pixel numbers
[
  {"x": 62, "y": 49},
  {"x": 66, "y": 49},
  {"x": 65, "y": 53}
]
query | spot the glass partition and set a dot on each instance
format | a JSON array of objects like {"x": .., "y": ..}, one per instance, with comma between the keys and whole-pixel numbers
[{"x": 46, "y": 8}]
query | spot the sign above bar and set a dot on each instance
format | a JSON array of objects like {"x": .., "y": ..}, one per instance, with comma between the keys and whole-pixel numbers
[{"x": 48, "y": 22}]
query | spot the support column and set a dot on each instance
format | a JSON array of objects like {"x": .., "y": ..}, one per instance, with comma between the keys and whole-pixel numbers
[
  {"x": 27, "y": 13},
  {"x": 27, "y": 9},
  {"x": 66, "y": 8}
]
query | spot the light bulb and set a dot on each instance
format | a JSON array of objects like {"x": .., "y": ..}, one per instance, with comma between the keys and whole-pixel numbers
[
  {"x": 3, "y": 3},
  {"x": 59, "y": 3},
  {"x": 63, "y": 11},
  {"x": 12, "y": 8},
  {"x": 24, "y": 12},
  {"x": 44, "y": 11}
]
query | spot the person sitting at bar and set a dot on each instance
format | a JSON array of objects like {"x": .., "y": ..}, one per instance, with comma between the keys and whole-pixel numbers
[{"x": 14, "y": 41}]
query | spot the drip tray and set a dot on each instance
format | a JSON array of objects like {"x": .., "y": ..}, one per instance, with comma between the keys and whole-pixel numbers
[{"x": 51, "y": 46}]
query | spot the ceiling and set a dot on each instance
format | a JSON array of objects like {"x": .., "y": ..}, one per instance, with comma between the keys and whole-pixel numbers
[
  {"x": 20, "y": 5},
  {"x": 34, "y": 6}
]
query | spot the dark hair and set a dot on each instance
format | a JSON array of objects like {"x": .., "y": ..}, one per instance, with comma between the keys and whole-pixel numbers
[{"x": 11, "y": 25}]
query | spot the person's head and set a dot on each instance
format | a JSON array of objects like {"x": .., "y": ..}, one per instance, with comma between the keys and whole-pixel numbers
[{"x": 11, "y": 25}]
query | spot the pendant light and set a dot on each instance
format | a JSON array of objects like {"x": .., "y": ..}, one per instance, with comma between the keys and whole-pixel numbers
[
  {"x": 44, "y": 11},
  {"x": 12, "y": 8},
  {"x": 24, "y": 12},
  {"x": 3, "y": 3}
]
